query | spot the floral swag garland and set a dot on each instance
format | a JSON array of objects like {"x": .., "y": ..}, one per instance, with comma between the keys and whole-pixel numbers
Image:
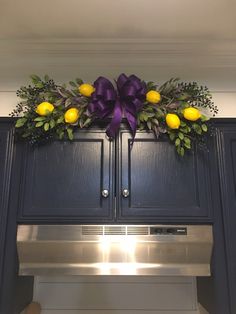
[{"x": 48, "y": 110}]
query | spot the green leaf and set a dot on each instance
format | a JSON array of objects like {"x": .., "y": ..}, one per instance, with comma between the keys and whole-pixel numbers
[
  {"x": 151, "y": 86},
  {"x": 20, "y": 122},
  {"x": 87, "y": 121},
  {"x": 149, "y": 125},
  {"x": 143, "y": 116},
  {"x": 35, "y": 79},
  {"x": 46, "y": 126},
  {"x": 150, "y": 114},
  {"x": 52, "y": 124},
  {"x": 204, "y": 118},
  {"x": 183, "y": 97},
  {"x": 70, "y": 134},
  {"x": 181, "y": 135},
  {"x": 79, "y": 81},
  {"x": 68, "y": 102},
  {"x": 60, "y": 120},
  {"x": 204, "y": 127},
  {"x": 39, "y": 124},
  {"x": 178, "y": 149},
  {"x": 159, "y": 113},
  {"x": 187, "y": 146},
  {"x": 40, "y": 119},
  {"x": 177, "y": 142},
  {"x": 172, "y": 136},
  {"x": 187, "y": 140},
  {"x": 155, "y": 121},
  {"x": 169, "y": 86},
  {"x": 181, "y": 152},
  {"x": 39, "y": 85},
  {"x": 59, "y": 102},
  {"x": 149, "y": 109},
  {"x": 61, "y": 134},
  {"x": 197, "y": 128},
  {"x": 26, "y": 134},
  {"x": 73, "y": 84}
]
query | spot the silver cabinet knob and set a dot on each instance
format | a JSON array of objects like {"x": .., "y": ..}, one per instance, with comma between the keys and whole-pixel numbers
[
  {"x": 125, "y": 192},
  {"x": 105, "y": 193}
]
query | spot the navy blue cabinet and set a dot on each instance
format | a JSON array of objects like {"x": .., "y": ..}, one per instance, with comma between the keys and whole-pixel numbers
[
  {"x": 15, "y": 292},
  {"x": 68, "y": 181},
  {"x": 95, "y": 180},
  {"x": 226, "y": 135},
  {"x": 65, "y": 181},
  {"x": 5, "y": 171},
  {"x": 161, "y": 185}
]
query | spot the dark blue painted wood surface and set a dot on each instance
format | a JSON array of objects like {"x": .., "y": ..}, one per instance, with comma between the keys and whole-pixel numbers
[
  {"x": 15, "y": 292},
  {"x": 162, "y": 185},
  {"x": 5, "y": 174},
  {"x": 63, "y": 181},
  {"x": 227, "y": 168},
  {"x": 213, "y": 292}
]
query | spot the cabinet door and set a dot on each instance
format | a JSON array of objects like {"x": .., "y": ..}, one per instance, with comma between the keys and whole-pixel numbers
[
  {"x": 162, "y": 186},
  {"x": 63, "y": 180},
  {"x": 227, "y": 166}
]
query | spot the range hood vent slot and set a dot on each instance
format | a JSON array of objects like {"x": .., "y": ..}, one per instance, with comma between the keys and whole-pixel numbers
[
  {"x": 137, "y": 230},
  {"x": 92, "y": 230},
  {"x": 115, "y": 230}
]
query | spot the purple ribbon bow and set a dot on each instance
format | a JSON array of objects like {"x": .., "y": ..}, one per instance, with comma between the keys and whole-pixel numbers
[
  {"x": 130, "y": 98},
  {"x": 132, "y": 94},
  {"x": 103, "y": 99}
]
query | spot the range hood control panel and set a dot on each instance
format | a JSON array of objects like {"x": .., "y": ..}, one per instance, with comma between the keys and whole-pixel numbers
[{"x": 168, "y": 231}]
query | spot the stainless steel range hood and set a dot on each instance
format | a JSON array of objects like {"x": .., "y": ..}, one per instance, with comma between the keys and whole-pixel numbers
[{"x": 167, "y": 250}]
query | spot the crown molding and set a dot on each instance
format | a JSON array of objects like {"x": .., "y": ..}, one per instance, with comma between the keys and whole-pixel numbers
[
  {"x": 135, "y": 46},
  {"x": 213, "y": 62}
]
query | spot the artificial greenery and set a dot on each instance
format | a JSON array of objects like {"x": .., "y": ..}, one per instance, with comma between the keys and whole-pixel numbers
[
  {"x": 175, "y": 97},
  {"x": 38, "y": 129}
]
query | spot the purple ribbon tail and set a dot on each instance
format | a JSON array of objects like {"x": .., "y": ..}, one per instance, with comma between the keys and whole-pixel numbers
[
  {"x": 132, "y": 122},
  {"x": 113, "y": 127}
]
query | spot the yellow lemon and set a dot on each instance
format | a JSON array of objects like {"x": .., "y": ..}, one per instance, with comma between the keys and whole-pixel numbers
[
  {"x": 172, "y": 121},
  {"x": 191, "y": 114},
  {"x": 86, "y": 89},
  {"x": 153, "y": 97},
  {"x": 44, "y": 108},
  {"x": 71, "y": 115}
]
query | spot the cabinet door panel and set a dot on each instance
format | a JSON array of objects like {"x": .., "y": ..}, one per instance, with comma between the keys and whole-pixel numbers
[
  {"x": 161, "y": 183},
  {"x": 64, "y": 180},
  {"x": 227, "y": 154}
]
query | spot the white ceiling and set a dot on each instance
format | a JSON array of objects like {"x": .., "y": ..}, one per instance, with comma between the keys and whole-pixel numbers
[{"x": 178, "y": 19}]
